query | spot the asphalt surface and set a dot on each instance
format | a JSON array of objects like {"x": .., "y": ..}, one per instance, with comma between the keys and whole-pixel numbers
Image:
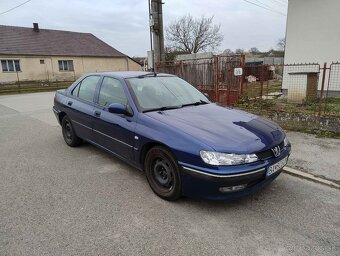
[
  {"x": 57, "y": 200},
  {"x": 318, "y": 156}
]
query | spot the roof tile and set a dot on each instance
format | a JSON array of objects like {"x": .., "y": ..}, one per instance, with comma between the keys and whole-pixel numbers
[{"x": 25, "y": 41}]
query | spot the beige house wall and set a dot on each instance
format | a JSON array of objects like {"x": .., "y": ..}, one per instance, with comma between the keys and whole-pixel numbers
[{"x": 32, "y": 70}]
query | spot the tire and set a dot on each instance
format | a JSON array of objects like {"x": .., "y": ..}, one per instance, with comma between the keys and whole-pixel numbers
[
  {"x": 162, "y": 173},
  {"x": 69, "y": 134}
]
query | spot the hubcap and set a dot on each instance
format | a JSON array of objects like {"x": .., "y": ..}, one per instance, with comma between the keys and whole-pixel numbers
[
  {"x": 68, "y": 132},
  {"x": 163, "y": 173}
]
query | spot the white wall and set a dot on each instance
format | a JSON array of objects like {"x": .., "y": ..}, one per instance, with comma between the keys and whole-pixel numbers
[
  {"x": 313, "y": 36},
  {"x": 313, "y": 31}
]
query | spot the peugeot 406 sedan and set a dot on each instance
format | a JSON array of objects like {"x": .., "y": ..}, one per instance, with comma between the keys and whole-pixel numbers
[{"x": 160, "y": 124}]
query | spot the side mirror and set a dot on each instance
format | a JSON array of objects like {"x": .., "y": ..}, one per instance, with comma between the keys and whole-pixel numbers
[
  {"x": 206, "y": 95},
  {"x": 118, "y": 108}
]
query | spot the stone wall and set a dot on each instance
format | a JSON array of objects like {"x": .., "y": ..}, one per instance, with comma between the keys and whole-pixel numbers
[{"x": 302, "y": 121}]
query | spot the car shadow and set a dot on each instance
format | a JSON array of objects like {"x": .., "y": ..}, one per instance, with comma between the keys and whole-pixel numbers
[{"x": 262, "y": 196}]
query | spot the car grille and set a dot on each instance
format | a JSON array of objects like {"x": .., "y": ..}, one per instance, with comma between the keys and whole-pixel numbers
[{"x": 263, "y": 155}]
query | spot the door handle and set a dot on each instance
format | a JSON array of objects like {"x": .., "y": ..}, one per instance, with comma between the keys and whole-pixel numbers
[
  {"x": 70, "y": 103},
  {"x": 97, "y": 113}
]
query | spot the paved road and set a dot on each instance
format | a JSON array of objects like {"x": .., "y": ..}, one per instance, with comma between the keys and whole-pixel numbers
[
  {"x": 318, "y": 156},
  {"x": 57, "y": 200}
]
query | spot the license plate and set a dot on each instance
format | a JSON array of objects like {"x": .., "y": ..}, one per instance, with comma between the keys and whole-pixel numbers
[{"x": 277, "y": 166}]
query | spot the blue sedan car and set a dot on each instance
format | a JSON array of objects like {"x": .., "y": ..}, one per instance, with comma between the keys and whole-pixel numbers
[{"x": 160, "y": 124}]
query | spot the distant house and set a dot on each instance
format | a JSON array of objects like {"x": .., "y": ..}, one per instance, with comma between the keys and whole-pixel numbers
[
  {"x": 34, "y": 54},
  {"x": 313, "y": 36},
  {"x": 271, "y": 57}
]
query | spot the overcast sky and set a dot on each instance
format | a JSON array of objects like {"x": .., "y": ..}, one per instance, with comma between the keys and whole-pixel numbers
[{"x": 124, "y": 23}]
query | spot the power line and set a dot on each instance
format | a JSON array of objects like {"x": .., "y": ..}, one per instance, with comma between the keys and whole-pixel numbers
[
  {"x": 15, "y": 7},
  {"x": 281, "y": 2},
  {"x": 261, "y": 3},
  {"x": 273, "y": 7},
  {"x": 263, "y": 7}
]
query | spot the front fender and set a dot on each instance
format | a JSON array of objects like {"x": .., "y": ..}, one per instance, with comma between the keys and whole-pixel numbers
[{"x": 184, "y": 147}]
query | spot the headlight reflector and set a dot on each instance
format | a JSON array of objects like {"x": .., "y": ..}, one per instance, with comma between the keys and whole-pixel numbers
[{"x": 216, "y": 158}]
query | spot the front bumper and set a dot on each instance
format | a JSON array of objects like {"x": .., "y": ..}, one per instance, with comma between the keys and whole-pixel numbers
[{"x": 197, "y": 183}]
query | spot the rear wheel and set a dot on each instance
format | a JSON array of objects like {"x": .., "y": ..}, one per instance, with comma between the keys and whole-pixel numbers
[
  {"x": 69, "y": 134},
  {"x": 162, "y": 173}
]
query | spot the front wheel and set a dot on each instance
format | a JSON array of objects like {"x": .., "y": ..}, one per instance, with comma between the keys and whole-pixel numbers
[
  {"x": 162, "y": 173},
  {"x": 69, "y": 134}
]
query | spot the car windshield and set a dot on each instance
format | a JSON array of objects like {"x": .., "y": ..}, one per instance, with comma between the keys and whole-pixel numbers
[{"x": 164, "y": 92}]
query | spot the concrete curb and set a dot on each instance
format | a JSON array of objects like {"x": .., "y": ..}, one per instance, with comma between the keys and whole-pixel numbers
[{"x": 311, "y": 177}]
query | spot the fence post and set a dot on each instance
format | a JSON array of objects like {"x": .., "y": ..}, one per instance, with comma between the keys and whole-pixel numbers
[
  {"x": 267, "y": 77},
  {"x": 216, "y": 78},
  {"x": 19, "y": 89},
  {"x": 243, "y": 73},
  {"x": 329, "y": 78},
  {"x": 181, "y": 69},
  {"x": 261, "y": 77},
  {"x": 322, "y": 86},
  {"x": 229, "y": 82}
]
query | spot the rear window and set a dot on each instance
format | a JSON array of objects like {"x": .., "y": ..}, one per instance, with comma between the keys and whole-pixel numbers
[{"x": 88, "y": 88}]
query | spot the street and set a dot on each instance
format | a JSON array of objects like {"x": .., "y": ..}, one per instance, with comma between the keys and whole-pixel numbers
[{"x": 57, "y": 200}]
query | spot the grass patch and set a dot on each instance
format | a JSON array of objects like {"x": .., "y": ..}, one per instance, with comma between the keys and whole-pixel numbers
[
  {"x": 318, "y": 133},
  {"x": 29, "y": 87},
  {"x": 256, "y": 90},
  {"x": 262, "y": 97},
  {"x": 331, "y": 106}
]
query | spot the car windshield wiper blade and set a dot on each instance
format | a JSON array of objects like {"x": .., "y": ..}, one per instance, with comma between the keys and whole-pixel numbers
[
  {"x": 201, "y": 102},
  {"x": 161, "y": 108}
]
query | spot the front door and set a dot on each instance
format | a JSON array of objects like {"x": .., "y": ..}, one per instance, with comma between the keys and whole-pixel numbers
[{"x": 115, "y": 132}]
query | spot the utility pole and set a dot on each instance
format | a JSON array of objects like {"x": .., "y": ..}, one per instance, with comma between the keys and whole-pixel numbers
[{"x": 156, "y": 26}]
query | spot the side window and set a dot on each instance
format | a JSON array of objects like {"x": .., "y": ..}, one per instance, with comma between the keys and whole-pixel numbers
[
  {"x": 88, "y": 88},
  {"x": 75, "y": 90},
  {"x": 10, "y": 65},
  {"x": 111, "y": 91},
  {"x": 65, "y": 65}
]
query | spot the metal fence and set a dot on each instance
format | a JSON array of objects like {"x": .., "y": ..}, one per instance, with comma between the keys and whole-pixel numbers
[
  {"x": 307, "y": 88},
  {"x": 213, "y": 76}
]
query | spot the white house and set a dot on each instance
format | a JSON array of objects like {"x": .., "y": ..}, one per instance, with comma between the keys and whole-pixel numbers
[{"x": 313, "y": 36}]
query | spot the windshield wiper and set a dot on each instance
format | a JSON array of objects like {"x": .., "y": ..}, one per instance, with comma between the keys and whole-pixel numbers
[
  {"x": 161, "y": 108},
  {"x": 201, "y": 102}
]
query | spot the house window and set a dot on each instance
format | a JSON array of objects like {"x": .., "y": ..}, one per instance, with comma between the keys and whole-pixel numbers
[
  {"x": 65, "y": 65},
  {"x": 10, "y": 65},
  {"x": 42, "y": 61}
]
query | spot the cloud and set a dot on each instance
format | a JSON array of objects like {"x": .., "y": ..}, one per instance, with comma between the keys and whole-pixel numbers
[{"x": 125, "y": 25}]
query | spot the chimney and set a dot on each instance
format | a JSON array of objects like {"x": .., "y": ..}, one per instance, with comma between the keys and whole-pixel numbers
[{"x": 36, "y": 27}]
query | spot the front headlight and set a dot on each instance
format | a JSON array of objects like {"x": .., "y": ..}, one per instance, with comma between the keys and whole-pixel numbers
[
  {"x": 285, "y": 142},
  {"x": 216, "y": 158}
]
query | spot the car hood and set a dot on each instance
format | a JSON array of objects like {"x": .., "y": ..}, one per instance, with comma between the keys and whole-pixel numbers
[{"x": 222, "y": 128}]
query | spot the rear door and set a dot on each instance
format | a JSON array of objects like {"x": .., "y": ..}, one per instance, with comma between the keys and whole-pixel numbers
[
  {"x": 113, "y": 131},
  {"x": 80, "y": 106}
]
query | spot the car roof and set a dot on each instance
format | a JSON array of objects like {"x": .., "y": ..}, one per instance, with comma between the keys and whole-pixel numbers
[{"x": 129, "y": 74}]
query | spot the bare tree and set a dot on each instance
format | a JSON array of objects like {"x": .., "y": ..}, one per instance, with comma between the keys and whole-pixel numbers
[
  {"x": 228, "y": 52},
  {"x": 254, "y": 50},
  {"x": 170, "y": 54},
  {"x": 281, "y": 44},
  {"x": 239, "y": 51},
  {"x": 192, "y": 35}
]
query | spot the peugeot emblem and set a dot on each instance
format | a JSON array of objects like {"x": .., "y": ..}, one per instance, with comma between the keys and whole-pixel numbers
[{"x": 276, "y": 151}]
